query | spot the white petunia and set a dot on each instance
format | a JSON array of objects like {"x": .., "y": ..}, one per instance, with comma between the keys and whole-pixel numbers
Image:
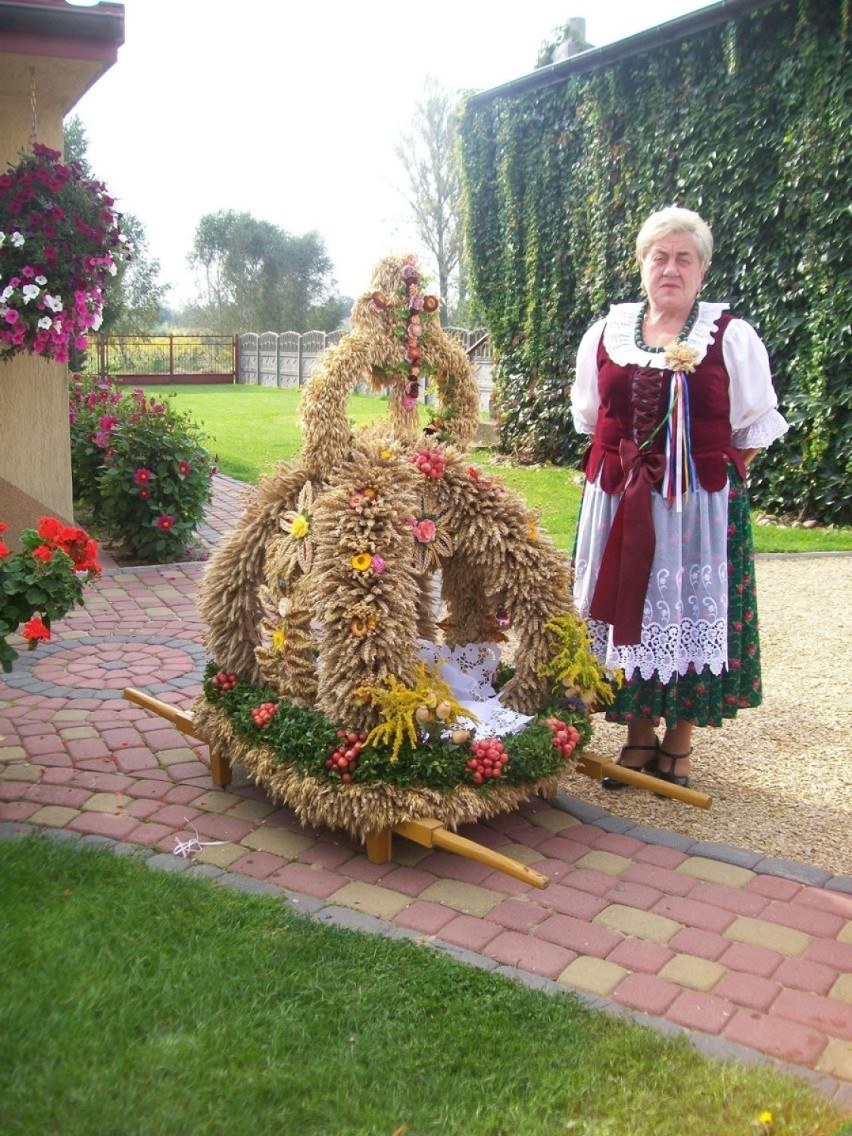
[
  {"x": 53, "y": 302},
  {"x": 17, "y": 239},
  {"x": 30, "y": 291},
  {"x": 41, "y": 281},
  {"x": 7, "y": 293},
  {"x": 45, "y": 322}
]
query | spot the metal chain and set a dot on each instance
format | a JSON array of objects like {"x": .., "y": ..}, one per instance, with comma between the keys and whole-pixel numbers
[{"x": 33, "y": 107}]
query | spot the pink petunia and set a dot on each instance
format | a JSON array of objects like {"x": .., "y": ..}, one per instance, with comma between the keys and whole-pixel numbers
[
  {"x": 142, "y": 476},
  {"x": 165, "y": 522},
  {"x": 184, "y": 468}
]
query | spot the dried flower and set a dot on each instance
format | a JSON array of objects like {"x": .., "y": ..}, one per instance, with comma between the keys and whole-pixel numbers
[
  {"x": 361, "y": 562},
  {"x": 679, "y": 356}
]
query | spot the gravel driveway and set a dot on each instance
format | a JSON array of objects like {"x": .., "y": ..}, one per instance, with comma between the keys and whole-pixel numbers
[{"x": 780, "y": 775}]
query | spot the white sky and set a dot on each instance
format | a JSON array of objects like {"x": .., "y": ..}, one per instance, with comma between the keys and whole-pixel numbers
[{"x": 290, "y": 110}]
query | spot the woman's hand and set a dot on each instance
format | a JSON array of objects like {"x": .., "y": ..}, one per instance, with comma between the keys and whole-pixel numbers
[{"x": 748, "y": 456}]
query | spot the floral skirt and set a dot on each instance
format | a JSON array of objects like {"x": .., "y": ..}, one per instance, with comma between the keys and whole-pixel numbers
[{"x": 700, "y": 696}]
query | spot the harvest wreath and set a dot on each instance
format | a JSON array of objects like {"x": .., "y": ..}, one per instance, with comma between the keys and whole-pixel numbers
[{"x": 357, "y": 612}]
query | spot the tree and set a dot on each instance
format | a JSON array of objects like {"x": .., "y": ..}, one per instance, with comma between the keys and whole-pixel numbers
[
  {"x": 134, "y": 299},
  {"x": 433, "y": 191},
  {"x": 254, "y": 276}
]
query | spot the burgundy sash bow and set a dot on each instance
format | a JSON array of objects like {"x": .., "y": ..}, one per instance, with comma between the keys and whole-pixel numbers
[{"x": 619, "y": 597}]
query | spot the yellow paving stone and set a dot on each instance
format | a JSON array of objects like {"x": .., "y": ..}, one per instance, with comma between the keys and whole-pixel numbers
[
  {"x": 759, "y": 933},
  {"x": 845, "y": 935},
  {"x": 219, "y": 855},
  {"x": 176, "y": 756},
  {"x": 216, "y": 801},
  {"x": 520, "y": 852},
  {"x": 21, "y": 771},
  {"x": 554, "y": 820},
  {"x": 74, "y": 733},
  {"x": 715, "y": 871},
  {"x": 842, "y": 989},
  {"x": 836, "y": 1060},
  {"x": 384, "y": 903},
  {"x": 250, "y": 810},
  {"x": 693, "y": 972},
  {"x": 469, "y": 899},
  {"x": 278, "y": 841},
  {"x": 637, "y": 924},
  {"x": 607, "y": 862},
  {"x": 107, "y": 803},
  {"x": 13, "y": 753},
  {"x": 57, "y": 816},
  {"x": 594, "y": 975},
  {"x": 70, "y": 715}
]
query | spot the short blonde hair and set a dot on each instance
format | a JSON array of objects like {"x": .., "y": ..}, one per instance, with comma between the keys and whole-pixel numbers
[{"x": 675, "y": 219}]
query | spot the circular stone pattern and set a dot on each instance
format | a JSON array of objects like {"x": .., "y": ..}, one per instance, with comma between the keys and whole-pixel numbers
[{"x": 101, "y": 666}]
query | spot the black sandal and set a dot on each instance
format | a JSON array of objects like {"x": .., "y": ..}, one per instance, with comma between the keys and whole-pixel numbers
[
  {"x": 670, "y": 775},
  {"x": 650, "y": 766}
]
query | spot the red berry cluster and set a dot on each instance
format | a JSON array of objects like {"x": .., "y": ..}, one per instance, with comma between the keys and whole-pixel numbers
[
  {"x": 488, "y": 759},
  {"x": 264, "y": 713},
  {"x": 223, "y": 681},
  {"x": 431, "y": 463},
  {"x": 565, "y": 736},
  {"x": 344, "y": 757}
]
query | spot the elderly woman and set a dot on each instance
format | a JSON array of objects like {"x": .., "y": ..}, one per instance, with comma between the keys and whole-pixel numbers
[{"x": 677, "y": 396}]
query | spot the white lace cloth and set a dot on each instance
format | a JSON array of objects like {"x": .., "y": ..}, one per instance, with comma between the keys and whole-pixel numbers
[
  {"x": 468, "y": 671},
  {"x": 686, "y": 605}
]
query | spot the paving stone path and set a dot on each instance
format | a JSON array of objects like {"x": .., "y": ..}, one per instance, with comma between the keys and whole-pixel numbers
[{"x": 750, "y": 956}]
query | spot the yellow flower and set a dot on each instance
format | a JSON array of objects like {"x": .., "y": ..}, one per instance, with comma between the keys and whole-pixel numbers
[
  {"x": 279, "y": 639},
  {"x": 361, "y": 562},
  {"x": 300, "y": 527},
  {"x": 532, "y": 533},
  {"x": 765, "y": 1118},
  {"x": 387, "y": 455}
]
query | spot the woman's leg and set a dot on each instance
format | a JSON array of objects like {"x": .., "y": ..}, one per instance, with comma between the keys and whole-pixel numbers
[
  {"x": 638, "y": 752},
  {"x": 675, "y": 749}
]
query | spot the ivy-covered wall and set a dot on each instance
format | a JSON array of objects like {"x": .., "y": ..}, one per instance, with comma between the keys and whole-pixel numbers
[{"x": 748, "y": 122}]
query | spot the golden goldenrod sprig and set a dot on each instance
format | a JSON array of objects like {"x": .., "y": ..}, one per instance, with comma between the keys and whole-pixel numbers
[
  {"x": 574, "y": 664},
  {"x": 401, "y": 707}
]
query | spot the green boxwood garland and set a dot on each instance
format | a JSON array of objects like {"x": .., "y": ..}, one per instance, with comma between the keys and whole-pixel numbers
[
  {"x": 305, "y": 738},
  {"x": 748, "y": 122}
]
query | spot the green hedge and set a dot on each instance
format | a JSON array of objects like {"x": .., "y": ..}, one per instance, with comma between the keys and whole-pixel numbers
[{"x": 747, "y": 122}]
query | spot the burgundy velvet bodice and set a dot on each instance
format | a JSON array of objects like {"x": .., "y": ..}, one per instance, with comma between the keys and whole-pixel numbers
[{"x": 634, "y": 401}]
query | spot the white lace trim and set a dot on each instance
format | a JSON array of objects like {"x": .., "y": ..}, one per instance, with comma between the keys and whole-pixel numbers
[
  {"x": 468, "y": 671},
  {"x": 685, "y": 614},
  {"x": 762, "y": 433},
  {"x": 620, "y": 343}
]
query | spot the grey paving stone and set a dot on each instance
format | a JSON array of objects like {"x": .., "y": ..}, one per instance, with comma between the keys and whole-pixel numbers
[
  {"x": 620, "y": 825},
  {"x": 134, "y": 850},
  {"x": 582, "y": 810},
  {"x": 661, "y": 836},
  {"x": 247, "y": 884},
  {"x": 840, "y": 883},
  {"x": 306, "y": 905},
  {"x": 14, "y": 830},
  {"x": 206, "y": 871},
  {"x": 727, "y": 853},
  {"x": 351, "y": 920},
  {"x": 793, "y": 870},
  {"x": 165, "y": 862},
  {"x": 94, "y": 841},
  {"x": 470, "y": 958},
  {"x": 527, "y": 978},
  {"x": 61, "y": 836}
]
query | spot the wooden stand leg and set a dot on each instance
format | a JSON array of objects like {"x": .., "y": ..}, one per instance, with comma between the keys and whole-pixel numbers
[
  {"x": 220, "y": 770},
  {"x": 379, "y": 846},
  {"x": 597, "y": 767}
]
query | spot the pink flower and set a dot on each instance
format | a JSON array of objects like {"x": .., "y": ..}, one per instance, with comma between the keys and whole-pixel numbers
[
  {"x": 142, "y": 476},
  {"x": 377, "y": 564},
  {"x": 408, "y": 403},
  {"x": 144, "y": 494},
  {"x": 164, "y": 522},
  {"x": 425, "y": 531},
  {"x": 11, "y": 316},
  {"x": 184, "y": 468}
]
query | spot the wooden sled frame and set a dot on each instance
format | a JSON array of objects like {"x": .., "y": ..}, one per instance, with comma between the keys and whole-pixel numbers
[{"x": 429, "y": 832}]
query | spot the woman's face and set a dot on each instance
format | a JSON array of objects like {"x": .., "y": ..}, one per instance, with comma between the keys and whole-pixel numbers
[{"x": 672, "y": 273}]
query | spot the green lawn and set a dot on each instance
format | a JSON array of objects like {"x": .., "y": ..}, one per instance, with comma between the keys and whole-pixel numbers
[
  {"x": 250, "y": 428},
  {"x": 143, "y": 1003}
]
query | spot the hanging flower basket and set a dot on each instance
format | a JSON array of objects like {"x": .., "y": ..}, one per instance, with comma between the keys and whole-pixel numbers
[{"x": 59, "y": 237}]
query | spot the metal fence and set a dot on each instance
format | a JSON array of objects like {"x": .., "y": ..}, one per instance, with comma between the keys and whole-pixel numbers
[
  {"x": 161, "y": 358},
  {"x": 286, "y": 359}
]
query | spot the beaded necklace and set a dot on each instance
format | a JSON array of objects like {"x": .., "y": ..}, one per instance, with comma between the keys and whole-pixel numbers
[{"x": 679, "y": 338}]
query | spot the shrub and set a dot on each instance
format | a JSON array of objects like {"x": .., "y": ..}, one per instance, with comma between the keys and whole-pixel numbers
[
  {"x": 43, "y": 581},
  {"x": 141, "y": 467}
]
